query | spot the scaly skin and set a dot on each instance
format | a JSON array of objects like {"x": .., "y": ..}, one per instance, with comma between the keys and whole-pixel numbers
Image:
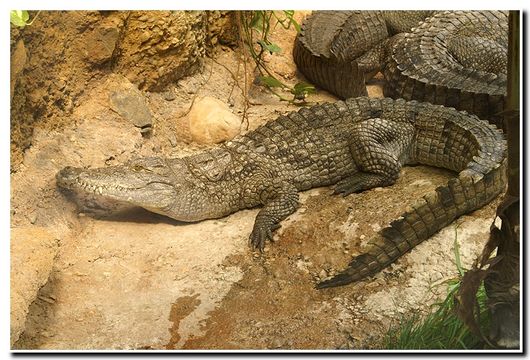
[
  {"x": 357, "y": 144},
  {"x": 334, "y": 49},
  {"x": 451, "y": 58},
  {"x": 327, "y": 44},
  {"x": 455, "y": 58}
]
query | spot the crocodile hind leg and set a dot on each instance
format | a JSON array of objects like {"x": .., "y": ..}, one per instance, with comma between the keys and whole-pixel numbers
[
  {"x": 379, "y": 148},
  {"x": 279, "y": 201}
]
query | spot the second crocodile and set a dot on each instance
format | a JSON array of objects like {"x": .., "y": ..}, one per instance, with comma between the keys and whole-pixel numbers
[{"x": 452, "y": 58}]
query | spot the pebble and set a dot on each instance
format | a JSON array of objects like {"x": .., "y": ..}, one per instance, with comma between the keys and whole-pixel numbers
[
  {"x": 323, "y": 274},
  {"x": 170, "y": 95},
  {"x": 33, "y": 217},
  {"x": 132, "y": 105},
  {"x": 277, "y": 343}
]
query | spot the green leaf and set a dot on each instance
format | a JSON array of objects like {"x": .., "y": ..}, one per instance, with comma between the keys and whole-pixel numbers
[
  {"x": 457, "y": 254},
  {"x": 19, "y": 17},
  {"x": 270, "y": 81},
  {"x": 303, "y": 88},
  {"x": 257, "y": 21},
  {"x": 272, "y": 48},
  {"x": 289, "y": 15}
]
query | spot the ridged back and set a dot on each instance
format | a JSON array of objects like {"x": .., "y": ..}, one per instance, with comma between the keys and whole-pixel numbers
[
  {"x": 444, "y": 138},
  {"x": 427, "y": 65},
  {"x": 399, "y": 21}
]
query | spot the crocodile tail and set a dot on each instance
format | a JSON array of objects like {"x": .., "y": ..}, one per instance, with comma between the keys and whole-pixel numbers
[
  {"x": 482, "y": 179},
  {"x": 343, "y": 79},
  {"x": 375, "y": 59},
  {"x": 433, "y": 212},
  {"x": 328, "y": 44}
]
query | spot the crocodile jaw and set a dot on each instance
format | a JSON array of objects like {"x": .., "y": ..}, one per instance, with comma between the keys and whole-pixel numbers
[{"x": 154, "y": 193}]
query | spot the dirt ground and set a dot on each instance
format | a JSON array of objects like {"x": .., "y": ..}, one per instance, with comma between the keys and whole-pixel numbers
[{"x": 125, "y": 278}]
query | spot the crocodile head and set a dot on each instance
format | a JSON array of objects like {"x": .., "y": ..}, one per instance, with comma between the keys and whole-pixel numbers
[{"x": 159, "y": 185}]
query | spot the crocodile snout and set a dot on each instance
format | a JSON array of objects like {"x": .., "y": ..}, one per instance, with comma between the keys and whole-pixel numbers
[{"x": 67, "y": 177}]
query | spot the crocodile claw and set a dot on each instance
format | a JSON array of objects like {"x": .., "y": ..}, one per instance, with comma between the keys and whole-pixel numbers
[
  {"x": 260, "y": 234},
  {"x": 348, "y": 186}
]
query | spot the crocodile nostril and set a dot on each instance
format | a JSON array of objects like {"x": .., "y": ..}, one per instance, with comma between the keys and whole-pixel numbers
[{"x": 67, "y": 176}]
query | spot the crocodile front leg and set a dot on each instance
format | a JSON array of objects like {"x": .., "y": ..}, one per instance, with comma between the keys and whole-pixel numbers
[{"x": 280, "y": 200}]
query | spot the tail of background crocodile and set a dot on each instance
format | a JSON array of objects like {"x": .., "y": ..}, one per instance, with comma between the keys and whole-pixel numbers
[
  {"x": 460, "y": 142},
  {"x": 341, "y": 78},
  {"x": 328, "y": 43}
]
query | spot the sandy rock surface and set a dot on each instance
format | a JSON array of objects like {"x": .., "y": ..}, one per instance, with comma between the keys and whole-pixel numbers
[
  {"x": 58, "y": 61},
  {"x": 33, "y": 251}
]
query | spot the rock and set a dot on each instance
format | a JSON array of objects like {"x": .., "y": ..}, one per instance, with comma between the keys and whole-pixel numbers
[
  {"x": 33, "y": 217},
  {"x": 131, "y": 104},
  {"x": 323, "y": 274},
  {"x": 100, "y": 44},
  {"x": 211, "y": 121},
  {"x": 150, "y": 57},
  {"x": 33, "y": 250},
  {"x": 277, "y": 343},
  {"x": 169, "y": 95},
  {"x": 19, "y": 58}
]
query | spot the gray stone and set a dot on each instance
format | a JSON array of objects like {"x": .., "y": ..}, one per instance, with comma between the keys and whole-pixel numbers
[{"x": 132, "y": 105}]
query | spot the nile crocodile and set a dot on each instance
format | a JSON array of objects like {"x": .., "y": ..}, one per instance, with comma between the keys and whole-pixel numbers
[
  {"x": 451, "y": 58},
  {"x": 455, "y": 58},
  {"x": 356, "y": 144},
  {"x": 337, "y": 50}
]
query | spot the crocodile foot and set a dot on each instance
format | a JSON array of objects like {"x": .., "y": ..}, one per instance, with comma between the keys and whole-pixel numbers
[
  {"x": 260, "y": 234},
  {"x": 359, "y": 182}
]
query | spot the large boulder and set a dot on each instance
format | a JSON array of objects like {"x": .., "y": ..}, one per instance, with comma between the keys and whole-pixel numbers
[{"x": 212, "y": 122}]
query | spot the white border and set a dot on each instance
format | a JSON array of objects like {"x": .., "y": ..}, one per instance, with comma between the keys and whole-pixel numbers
[{"x": 195, "y": 5}]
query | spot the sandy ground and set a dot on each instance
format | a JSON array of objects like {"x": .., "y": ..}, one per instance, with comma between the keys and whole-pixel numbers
[{"x": 124, "y": 278}]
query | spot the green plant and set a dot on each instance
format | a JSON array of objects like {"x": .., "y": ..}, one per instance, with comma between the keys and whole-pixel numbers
[
  {"x": 256, "y": 27},
  {"x": 441, "y": 328},
  {"x": 21, "y": 18}
]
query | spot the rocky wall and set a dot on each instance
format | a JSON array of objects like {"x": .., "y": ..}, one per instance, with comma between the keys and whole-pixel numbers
[{"x": 63, "y": 54}]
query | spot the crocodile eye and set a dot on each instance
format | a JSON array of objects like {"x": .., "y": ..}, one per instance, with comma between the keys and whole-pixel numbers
[{"x": 137, "y": 167}]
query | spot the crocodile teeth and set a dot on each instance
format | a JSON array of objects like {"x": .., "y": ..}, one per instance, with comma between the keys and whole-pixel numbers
[{"x": 100, "y": 190}]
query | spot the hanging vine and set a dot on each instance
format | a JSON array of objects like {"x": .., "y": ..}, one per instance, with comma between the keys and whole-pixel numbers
[{"x": 255, "y": 28}]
